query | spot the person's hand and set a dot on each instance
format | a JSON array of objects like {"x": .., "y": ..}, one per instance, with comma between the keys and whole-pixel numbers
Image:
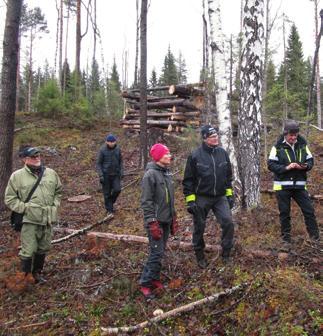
[
  {"x": 292, "y": 165},
  {"x": 192, "y": 207},
  {"x": 101, "y": 179},
  {"x": 230, "y": 201},
  {"x": 174, "y": 226},
  {"x": 155, "y": 230}
]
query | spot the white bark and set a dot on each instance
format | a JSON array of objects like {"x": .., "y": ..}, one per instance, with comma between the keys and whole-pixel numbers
[
  {"x": 221, "y": 84},
  {"x": 249, "y": 118}
]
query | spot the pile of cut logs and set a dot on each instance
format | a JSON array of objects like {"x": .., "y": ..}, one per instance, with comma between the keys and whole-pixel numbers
[{"x": 171, "y": 107}]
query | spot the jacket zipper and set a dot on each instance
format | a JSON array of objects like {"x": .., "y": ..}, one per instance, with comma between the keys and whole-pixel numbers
[{"x": 214, "y": 173}]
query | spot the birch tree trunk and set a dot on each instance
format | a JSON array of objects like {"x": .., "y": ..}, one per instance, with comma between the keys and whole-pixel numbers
[
  {"x": 143, "y": 82},
  {"x": 220, "y": 84},
  {"x": 8, "y": 92},
  {"x": 249, "y": 117}
]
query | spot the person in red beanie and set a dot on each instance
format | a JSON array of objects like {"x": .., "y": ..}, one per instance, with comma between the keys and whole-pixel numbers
[{"x": 157, "y": 202}]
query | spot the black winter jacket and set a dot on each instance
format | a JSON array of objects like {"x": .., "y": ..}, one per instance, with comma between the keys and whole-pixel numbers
[
  {"x": 157, "y": 197},
  {"x": 208, "y": 172},
  {"x": 109, "y": 161},
  {"x": 281, "y": 155}
]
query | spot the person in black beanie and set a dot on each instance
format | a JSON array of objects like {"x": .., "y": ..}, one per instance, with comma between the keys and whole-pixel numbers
[
  {"x": 207, "y": 186},
  {"x": 110, "y": 169}
]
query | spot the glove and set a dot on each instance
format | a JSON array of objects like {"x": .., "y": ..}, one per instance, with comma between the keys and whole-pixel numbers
[
  {"x": 230, "y": 201},
  {"x": 192, "y": 207},
  {"x": 174, "y": 226},
  {"x": 155, "y": 230},
  {"x": 101, "y": 179}
]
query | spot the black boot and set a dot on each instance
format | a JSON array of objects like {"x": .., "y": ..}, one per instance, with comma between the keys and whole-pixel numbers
[
  {"x": 38, "y": 265},
  {"x": 26, "y": 265},
  {"x": 225, "y": 255},
  {"x": 200, "y": 258}
]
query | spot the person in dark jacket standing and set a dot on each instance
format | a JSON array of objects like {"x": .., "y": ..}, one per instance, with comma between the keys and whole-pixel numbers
[
  {"x": 157, "y": 202},
  {"x": 207, "y": 186},
  {"x": 110, "y": 169},
  {"x": 290, "y": 160}
]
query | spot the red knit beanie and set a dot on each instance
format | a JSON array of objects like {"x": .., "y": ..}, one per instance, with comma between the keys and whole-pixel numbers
[{"x": 157, "y": 151}]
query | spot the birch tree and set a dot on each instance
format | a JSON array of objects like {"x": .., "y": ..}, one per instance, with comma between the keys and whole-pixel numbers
[
  {"x": 318, "y": 79},
  {"x": 8, "y": 91},
  {"x": 221, "y": 83},
  {"x": 249, "y": 116}
]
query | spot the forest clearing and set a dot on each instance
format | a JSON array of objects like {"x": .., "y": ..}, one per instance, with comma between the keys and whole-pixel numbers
[{"x": 93, "y": 282}]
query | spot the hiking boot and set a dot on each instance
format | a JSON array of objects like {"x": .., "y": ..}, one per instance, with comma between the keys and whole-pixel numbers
[
  {"x": 200, "y": 258},
  {"x": 39, "y": 279},
  {"x": 147, "y": 292},
  {"x": 157, "y": 284}
]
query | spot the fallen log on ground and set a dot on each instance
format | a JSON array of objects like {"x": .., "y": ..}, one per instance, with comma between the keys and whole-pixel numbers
[
  {"x": 172, "y": 313},
  {"x": 138, "y": 239},
  {"x": 82, "y": 231}
]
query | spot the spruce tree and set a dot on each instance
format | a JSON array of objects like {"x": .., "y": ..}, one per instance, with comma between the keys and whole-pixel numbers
[
  {"x": 182, "y": 70},
  {"x": 153, "y": 81},
  {"x": 169, "y": 73},
  {"x": 271, "y": 74}
]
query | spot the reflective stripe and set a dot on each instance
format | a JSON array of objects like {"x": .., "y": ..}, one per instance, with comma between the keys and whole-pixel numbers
[
  {"x": 190, "y": 198},
  {"x": 284, "y": 182},
  {"x": 228, "y": 192},
  {"x": 286, "y": 151},
  {"x": 167, "y": 196},
  {"x": 309, "y": 154},
  {"x": 300, "y": 156},
  {"x": 273, "y": 154},
  {"x": 277, "y": 187}
]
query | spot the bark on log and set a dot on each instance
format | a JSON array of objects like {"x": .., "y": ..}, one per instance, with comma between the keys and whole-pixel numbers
[
  {"x": 174, "y": 312},
  {"x": 152, "y": 89},
  {"x": 185, "y": 90},
  {"x": 154, "y": 122},
  {"x": 133, "y": 96}
]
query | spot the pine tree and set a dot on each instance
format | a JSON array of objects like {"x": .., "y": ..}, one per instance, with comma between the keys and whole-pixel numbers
[{"x": 169, "y": 73}]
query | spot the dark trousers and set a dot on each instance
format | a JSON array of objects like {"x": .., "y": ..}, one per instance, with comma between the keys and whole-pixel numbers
[
  {"x": 222, "y": 212},
  {"x": 302, "y": 198},
  {"x": 111, "y": 190},
  {"x": 157, "y": 249}
]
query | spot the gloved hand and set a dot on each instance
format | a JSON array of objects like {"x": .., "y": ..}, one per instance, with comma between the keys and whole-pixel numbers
[
  {"x": 230, "y": 201},
  {"x": 174, "y": 226},
  {"x": 192, "y": 207},
  {"x": 155, "y": 230},
  {"x": 101, "y": 179}
]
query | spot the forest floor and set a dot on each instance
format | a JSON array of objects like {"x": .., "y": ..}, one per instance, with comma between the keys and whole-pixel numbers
[{"x": 93, "y": 283}]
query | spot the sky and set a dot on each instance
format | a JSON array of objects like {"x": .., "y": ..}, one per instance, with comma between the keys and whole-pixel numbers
[{"x": 174, "y": 23}]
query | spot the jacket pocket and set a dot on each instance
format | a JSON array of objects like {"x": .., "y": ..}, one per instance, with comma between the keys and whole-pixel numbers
[
  {"x": 34, "y": 213},
  {"x": 54, "y": 214}
]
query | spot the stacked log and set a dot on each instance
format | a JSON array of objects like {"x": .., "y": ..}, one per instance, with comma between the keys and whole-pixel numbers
[{"x": 173, "y": 107}]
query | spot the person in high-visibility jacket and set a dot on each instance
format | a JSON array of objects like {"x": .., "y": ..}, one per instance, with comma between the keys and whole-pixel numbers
[
  {"x": 290, "y": 159},
  {"x": 207, "y": 186}
]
